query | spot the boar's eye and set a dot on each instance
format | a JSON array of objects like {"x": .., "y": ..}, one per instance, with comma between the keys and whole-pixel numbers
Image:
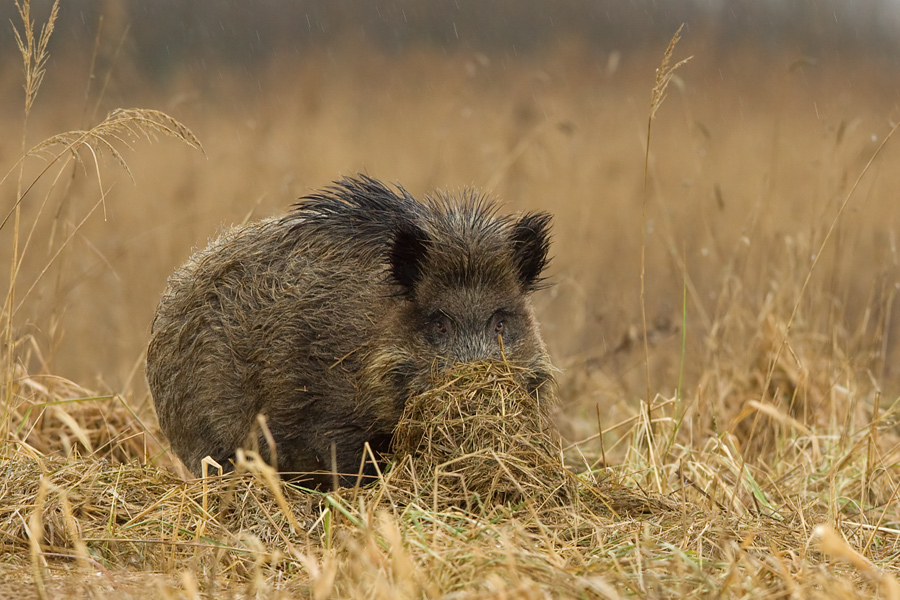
[
  {"x": 498, "y": 323},
  {"x": 440, "y": 325}
]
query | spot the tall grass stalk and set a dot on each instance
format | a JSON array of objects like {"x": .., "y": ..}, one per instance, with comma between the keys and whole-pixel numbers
[
  {"x": 33, "y": 50},
  {"x": 664, "y": 74}
]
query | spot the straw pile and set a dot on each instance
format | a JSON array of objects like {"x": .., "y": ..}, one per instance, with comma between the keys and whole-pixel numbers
[{"x": 480, "y": 439}]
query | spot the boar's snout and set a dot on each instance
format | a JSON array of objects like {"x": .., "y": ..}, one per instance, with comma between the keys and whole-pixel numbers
[{"x": 477, "y": 349}]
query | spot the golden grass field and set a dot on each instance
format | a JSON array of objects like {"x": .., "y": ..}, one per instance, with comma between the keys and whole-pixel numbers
[{"x": 767, "y": 467}]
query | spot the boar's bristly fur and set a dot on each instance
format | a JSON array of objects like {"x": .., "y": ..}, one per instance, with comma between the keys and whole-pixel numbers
[{"x": 326, "y": 320}]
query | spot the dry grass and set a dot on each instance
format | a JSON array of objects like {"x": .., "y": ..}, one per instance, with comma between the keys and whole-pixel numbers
[
  {"x": 814, "y": 516},
  {"x": 766, "y": 464}
]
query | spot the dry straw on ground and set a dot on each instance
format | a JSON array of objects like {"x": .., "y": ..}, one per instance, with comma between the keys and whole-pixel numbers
[{"x": 538, "y": 526}]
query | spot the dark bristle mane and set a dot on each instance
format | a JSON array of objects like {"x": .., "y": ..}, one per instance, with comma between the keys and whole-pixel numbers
[{"x": 358, "y": 210}]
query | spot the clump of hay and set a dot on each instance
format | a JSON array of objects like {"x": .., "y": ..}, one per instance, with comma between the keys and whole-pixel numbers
[{"x": 480, "y": 437}]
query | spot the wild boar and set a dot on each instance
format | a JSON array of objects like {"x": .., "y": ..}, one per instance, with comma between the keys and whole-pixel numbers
[{"x": 327, "y": 319}]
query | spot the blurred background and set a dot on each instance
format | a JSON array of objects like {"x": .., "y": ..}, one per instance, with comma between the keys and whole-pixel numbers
[{"x": 542, "y": 104}]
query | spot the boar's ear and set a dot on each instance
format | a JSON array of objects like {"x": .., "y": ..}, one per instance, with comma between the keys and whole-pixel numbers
[
  {"x": 406, "y": 256},
  {"x": 531, "y": 244}
]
